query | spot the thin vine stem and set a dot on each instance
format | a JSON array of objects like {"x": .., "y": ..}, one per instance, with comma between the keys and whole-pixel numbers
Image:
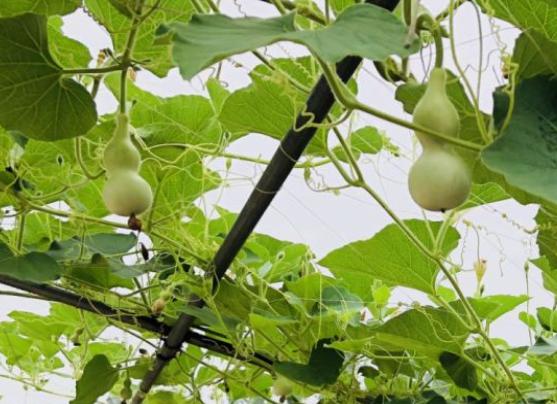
[
  {"x": 79, "y": 158},
  {"x": 96, "y": 70},
  {"x": 486, "y": 136}
]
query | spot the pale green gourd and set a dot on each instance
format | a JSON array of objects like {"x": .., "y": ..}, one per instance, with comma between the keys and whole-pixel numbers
[
  {"x": 282, "y": 387},
  {"x": 120, "y": 153},
  {"x": 439, "y": 180},
  {"x": 125, "y": 192}
]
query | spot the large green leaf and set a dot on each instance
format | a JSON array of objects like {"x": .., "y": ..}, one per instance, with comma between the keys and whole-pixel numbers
[
  {"x": 525, "y": 152},
  {"x": 427, "y": 330},
  {"x": 97, "y": 379},
  {"x": 35, "y": 266},
  {"x": 102, "y": 243},
  {"x": 539, "y": 15},
  {"x": 323, "y": 366},
  {"x": 154, "y": 57},
  {"x": 391, "y": 257},
  {"x": 35, "y": 98},
  {"x": 363, "y": 30},
  {"x": 535, "y": 55},
  {"x": 9, "y": 8}
]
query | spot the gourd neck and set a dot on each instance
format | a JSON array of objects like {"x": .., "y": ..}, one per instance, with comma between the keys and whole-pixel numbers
[
  {"x": 122, "y": 131},
  {"x": 437, "y": 82}
]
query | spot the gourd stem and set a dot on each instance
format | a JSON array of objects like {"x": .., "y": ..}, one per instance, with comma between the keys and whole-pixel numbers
[
  {"x": 428, "y": 23},
  {"x": 128, "y": 50},
  {"x": 438, "y": 47}
]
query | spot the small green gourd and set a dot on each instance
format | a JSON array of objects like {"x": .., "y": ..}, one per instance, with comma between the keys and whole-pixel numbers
[
  {"x": 439, "y": 180},
  {"x": 282, "y": 387},
  {"x": 125, "y": 192}
]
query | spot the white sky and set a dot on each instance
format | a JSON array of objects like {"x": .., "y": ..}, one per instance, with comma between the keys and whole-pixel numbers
[{"x": 325, "y": 221}]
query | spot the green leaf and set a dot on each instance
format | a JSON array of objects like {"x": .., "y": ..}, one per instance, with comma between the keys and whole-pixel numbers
[
  {"x": 494, "y": 306},
  {"x": 549, "y": 274},
  {"x": 66, "y": 51},
  {"x": 35, "y": 266},
  {"x": 339, "y": 5},
  {"x": 101, "y": 243},
  {"x": 361, "y": 30},
  {"x": 339, "y": 299},
  {"x": 426, "y": 330},
  {"x": 366, "y": 140},
  {"x": 370, "y": 140},
  {"x": 546, "y": 220},
  {"x": 538, "y": 15},
  {"x": 323, "y": 367},
  {"x": 35, "y": 98},
  {"x": 154, "y": 56},
  {"x": 460, "y": 371},
  {"x": 263, "y": 107},
  {"x": 125, "y": 7},
  {"x": 544, "y": 346},
  {"x": 547, "y": 318},
  {"x": 391, "y": 257},
  {"x": 99, "y": 272},
  {"x": 13, "y": 347},
  {"x": 524, "y": 152},
  {"x": 535, "y": 55},
  {"x": 166, "y": 397},
  {"x": 217, "y": 92},
  {"x": 97, "y": 379},
  {"x": 110, "y": 243},
  {"x": 9, "y": 8}
]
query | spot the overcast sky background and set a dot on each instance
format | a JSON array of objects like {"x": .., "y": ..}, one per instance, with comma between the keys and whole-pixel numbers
[{"x": 325, "y": 221}]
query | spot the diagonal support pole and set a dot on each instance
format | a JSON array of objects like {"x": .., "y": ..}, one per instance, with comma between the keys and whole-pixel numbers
[{"x": 292, "y": 146}]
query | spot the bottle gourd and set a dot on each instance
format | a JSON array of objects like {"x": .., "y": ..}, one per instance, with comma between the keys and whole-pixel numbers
[
  {"x": 439, "y": 180},
  {"x": 125, "y": 193}
]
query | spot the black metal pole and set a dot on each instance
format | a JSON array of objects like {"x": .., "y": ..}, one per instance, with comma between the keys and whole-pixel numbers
[
  {"x": 147, "y": 323},
  {"x": 286, "y": 156}
]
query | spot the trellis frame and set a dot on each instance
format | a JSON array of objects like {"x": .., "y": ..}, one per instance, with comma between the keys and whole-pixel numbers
[{"x": 290, "y": 149}]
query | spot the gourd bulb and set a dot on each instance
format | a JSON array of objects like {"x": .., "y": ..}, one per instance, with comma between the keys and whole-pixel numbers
[
  {"x": 126, "y": 193},
  {"x": 120, "y": 153},
  {"x": 439, "y": 180},
  {"x": 435, "y": 110}
]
